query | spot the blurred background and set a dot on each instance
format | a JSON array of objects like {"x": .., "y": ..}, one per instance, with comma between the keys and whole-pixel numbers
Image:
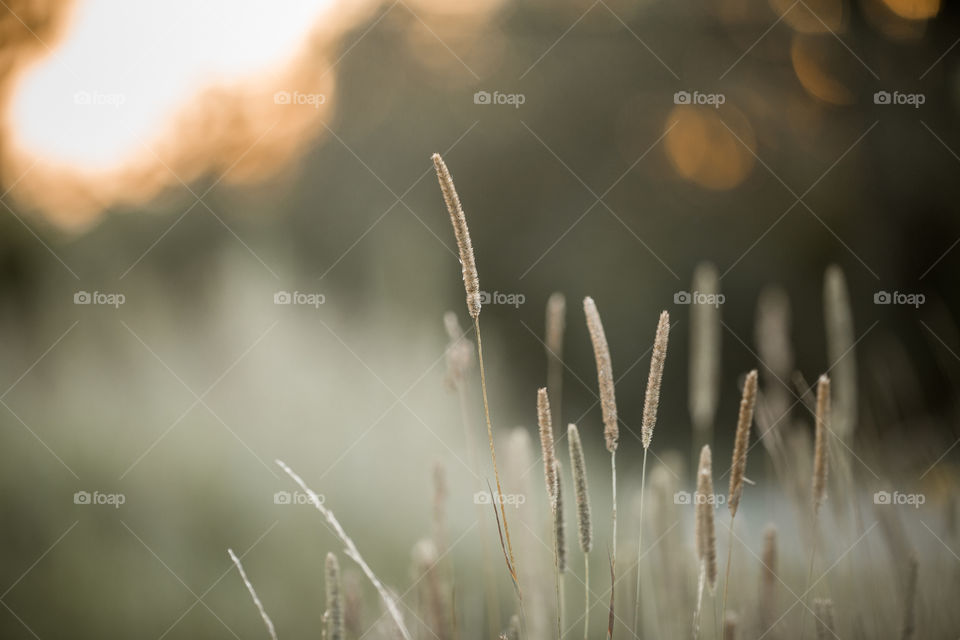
[{"x": 222, "y": 243}]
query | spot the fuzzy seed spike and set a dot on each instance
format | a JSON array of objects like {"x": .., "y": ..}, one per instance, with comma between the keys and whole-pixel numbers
[
  {"x": 601, "y": 353},
  {"x": 742, "y": 441},
  {"x": 657, "y": 359},
  {"x": 471, "y": 281}
]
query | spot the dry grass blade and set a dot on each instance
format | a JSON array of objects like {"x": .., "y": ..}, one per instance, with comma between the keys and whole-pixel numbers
[
  {"x": 351, "y": 550},
  {"x": 742, "y": 441},
  {"x": 253, "y": 594}
]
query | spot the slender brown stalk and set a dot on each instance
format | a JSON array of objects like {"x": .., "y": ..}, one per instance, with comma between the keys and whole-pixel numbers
[
  {"x": 471, "y": 283},
  {"x": 334, "y": 613}
]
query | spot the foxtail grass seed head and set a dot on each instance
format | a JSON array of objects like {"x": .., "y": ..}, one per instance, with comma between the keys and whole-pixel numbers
[
  {"x": 334, "y": 612},
  {"x": 579, "y": 465},
  {"x": 657, "y": 359},
  {"x": 819, "y": 489},
  {"x": 704, "y": 349},
  {"x": 547, "y": 447},
  {"x": 560, "y": 529},
  {"x": 704, "y": 524},
  {"x": 742, "y": 441},
  {"x": 823, "y": 610},
  {"x": 601, "y": 353},
  {"x": 471, "y": 280}
]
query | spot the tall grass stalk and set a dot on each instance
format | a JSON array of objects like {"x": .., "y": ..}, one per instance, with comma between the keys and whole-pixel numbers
[
  {"x": 584, "y": 525},
  {"x": 471, "y": 282},
  {"x": 738, "y": 466},
  {"x": 268, "y": 623},
  {"x": 650, "y": 406},
  {"x": 611, "y": 428},
  {"x": 351, "y": 551},
  {"x": 819, "y": 481}
]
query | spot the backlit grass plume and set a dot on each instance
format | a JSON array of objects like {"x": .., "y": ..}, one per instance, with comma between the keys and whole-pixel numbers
[
  {"x": 584, "y": 526},
  {"x": 471, "y": 283},
  {"x": 611, "y": 427},
  {"x": 704, "y": 532},
  {"x": 738, "y": 465},
  {"x": 650, "y": 405}
]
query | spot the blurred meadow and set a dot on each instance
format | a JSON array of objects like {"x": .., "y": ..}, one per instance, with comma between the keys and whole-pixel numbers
[{"x": 222, "y": 243}]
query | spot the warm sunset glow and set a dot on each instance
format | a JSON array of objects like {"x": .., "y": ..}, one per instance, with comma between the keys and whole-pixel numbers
[{"x": 125, "y": 69}]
